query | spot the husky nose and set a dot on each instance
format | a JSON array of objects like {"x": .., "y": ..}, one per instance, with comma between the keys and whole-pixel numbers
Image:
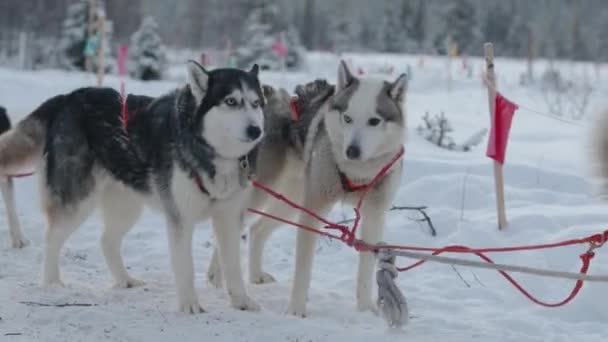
[
  {"x": 253, "y": 132},
  {"x": 353, "y": 152}
]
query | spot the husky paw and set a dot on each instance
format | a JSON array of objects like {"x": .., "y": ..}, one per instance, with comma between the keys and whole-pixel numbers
[
  {"x": 19, "y": 242},
  {"x": 191, "y": 306},
  {"x": 262, "y": 278},
  {"x": 244, "y": 303},
  {"x": 297, "y": 310},
  {"x": 54, "y": 283},
  {"x": 364, "y": 306},
  {"x": 214, "y": 276},
  {"x": 128, "y": 283}
]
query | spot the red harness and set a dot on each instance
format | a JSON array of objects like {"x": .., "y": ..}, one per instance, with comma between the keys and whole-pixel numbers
[
  {"x": 348, "y": 185},
  {"x": 293, "y": 104}
]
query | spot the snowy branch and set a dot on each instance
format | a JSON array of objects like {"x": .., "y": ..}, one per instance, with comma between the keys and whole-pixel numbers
[
  {"x": 56, "y": 305},
  {"x": 436, "y": 130}
]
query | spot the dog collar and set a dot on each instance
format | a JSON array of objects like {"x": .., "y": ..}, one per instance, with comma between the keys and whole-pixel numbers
[
  {"x": 244, "y": 175},
  {"x": 199, "y": 182}
]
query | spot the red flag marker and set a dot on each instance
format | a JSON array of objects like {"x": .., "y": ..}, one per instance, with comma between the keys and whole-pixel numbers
[
  {"x": 280, "y": 48},
  {"x": 501, "y": 125}
]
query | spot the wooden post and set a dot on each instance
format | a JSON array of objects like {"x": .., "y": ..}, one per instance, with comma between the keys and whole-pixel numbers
[
  {"x": 88, "y": 63},
  {"x": 101, "y": 56},
  {"x": 498, "y": 174},
  {"x": 449, "y": 47},
  {"x": 530, "y": 48},
  {"x": 22, "y": 50}
]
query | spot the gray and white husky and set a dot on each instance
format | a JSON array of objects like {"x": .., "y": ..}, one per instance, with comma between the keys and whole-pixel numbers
[
  {"x": 343, "y": 137},
  {"x": 184, "y": 154},
  {"x": 7, "y": 189}
]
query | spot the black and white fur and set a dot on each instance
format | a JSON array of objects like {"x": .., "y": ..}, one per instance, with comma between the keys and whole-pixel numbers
[
  {"x": 87, "y": 159},
  {"x": 355, "y": 128}
]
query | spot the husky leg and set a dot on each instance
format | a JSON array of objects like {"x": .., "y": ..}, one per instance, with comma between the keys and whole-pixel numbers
[
  {"x": 262, "y": 229},
  {"x": 120, "y": 209},
  {"x": 180, "y": 246},
  {"x": 214, "y": 272},
  {"x": 227, "y": 226},
  {"x": 61, "y": 223},
  {"x": 372, "y": 232},
  {"x": 7, "y": 188},
  {"x": 304, "y": 257},
  {"x": 258, "y": 235}
]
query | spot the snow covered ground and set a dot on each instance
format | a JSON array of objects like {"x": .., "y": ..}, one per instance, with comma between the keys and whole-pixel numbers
[{"x": 549, "y": 192}]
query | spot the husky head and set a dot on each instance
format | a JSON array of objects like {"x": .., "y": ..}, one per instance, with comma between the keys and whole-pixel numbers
[
  {"x": 365, "y": 117},
  {"x": 229, "y": 108}
]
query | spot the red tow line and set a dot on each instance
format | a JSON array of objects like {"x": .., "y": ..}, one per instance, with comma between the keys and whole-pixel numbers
[{"x": 348, "y": 236}]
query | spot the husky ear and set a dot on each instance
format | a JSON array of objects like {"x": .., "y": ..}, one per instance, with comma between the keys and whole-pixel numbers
[
  {"x": 398, "y": 88},
  {"x": 345, "y": 77},
  {"x": 254, "y": 70},
  {"x": 198, "y": 78}
]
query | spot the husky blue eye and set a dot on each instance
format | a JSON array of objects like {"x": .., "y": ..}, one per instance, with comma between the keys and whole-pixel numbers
[
  {"x": 374, "y": 122},
  {"x": 231, "y": 101},
  {"x": 255, "y": 104},
  {"x": 347, "y": 119}
]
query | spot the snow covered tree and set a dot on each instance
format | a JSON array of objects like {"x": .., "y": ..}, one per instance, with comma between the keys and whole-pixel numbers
[
  {"x": 497, "y": 26},
  {"x": 343, "y": 35},
  {"x": 147, "y": 58},
  {"x": 264, "y": 28},
  {"x": 343, "y": 32},
  {"x": 74, "y": 36},
  {"x": 395, "y": 30},
  {"x": 418, "y": 28},
  {"x": 461, "y": 24}
]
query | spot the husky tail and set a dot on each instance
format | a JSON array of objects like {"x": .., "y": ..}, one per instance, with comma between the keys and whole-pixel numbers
[{"x": 21, "y": 147}]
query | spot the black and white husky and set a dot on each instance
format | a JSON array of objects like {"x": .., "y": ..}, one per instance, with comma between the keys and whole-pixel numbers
[
  {"x": 344, "y": 136},
  {"x": 185, "y": 154}
]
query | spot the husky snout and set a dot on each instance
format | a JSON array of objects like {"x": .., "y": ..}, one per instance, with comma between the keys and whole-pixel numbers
[
  {"x": 353, "y": 151},
  {"x": 253, "y": 132}
]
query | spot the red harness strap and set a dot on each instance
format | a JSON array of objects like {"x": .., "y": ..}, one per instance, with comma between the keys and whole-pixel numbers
[
  {"x": 348, "y": 185},
  {"x": 293, "y": 104},
  {"x": 199, "y": 182},
  {"x": 20, "y": 175}
]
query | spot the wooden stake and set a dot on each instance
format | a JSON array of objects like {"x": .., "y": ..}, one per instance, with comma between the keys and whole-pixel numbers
[
  {"x": 449, "y": 47},
  {"x": 498, "y": 174},
  {"x": 530, "y": 48},
  {"x": 88, "y": 63},
  {"x": 101, "y": 58}
]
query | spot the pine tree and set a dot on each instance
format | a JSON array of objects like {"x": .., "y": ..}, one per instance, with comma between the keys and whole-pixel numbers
[
  {"x": 461, "y": 25},
  {"x": 517, "y": 39},
  {"x": 343, "y": 32},
  {"x": 74, "y": 36},
  {"x": 264, "y": 27},
  {"x": 147, "y": 58},
  {"x": 395, "y": 30},
  {"x": 418, "y": 28},
  {"x": 497, "y": 26}
]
